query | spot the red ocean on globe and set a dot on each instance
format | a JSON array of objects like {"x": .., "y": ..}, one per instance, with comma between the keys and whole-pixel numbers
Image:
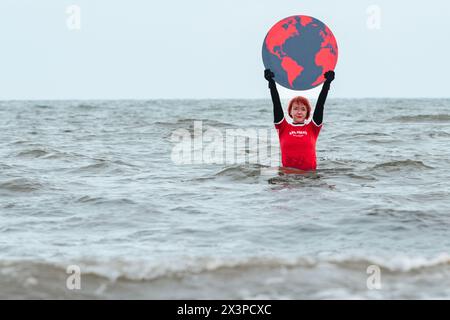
[{"x": 299, "y": 50}]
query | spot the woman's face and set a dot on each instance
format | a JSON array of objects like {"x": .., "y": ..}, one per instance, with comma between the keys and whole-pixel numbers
[{"x": 298, "y": 112}]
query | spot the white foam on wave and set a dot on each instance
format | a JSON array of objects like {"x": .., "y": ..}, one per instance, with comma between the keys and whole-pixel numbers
[
  {"x": 139, "y": 270},
  {"x": 407, "y": 263}
]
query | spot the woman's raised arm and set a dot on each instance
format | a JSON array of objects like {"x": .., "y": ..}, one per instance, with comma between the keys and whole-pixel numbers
[
  {"x": 278, "y": 114},
  {"x": 318, "y": 111}
]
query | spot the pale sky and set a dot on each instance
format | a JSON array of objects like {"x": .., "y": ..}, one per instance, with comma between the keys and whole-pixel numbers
[{"x": 147, "y": 49}]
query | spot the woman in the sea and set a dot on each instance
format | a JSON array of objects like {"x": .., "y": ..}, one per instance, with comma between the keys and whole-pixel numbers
[{"x": 298, "y": 139}]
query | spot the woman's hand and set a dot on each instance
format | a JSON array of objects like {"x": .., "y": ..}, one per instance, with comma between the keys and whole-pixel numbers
[
  {"x": 329, "y": 75},
  {"x": 268, "y": 75}
]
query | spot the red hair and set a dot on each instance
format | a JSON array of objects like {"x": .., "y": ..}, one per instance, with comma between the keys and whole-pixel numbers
[{"x": 300, "y": 100}]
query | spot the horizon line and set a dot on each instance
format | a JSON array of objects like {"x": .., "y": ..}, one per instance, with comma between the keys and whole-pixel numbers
[{"x": 150, "y": 99}]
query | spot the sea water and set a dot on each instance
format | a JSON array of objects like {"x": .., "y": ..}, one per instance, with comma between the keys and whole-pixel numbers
[{"x": 98, "y": 187}]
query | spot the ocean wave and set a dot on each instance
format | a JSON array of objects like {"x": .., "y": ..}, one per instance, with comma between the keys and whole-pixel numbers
[
  {"x": 4, "y": 166},
  {"x": 103, "y": 200},
  {"x": 423, "y": 118},
  {"x": 300, "y": 179},
  {"x": 95, "y": 167},
  {"x": 86, "y": 199},
  {"x": 408, "y": 218},
  {"x": 257, "y": 173},
  {"x": 43, "y": 106},
  {"x": 62, "y": 155},
  {"x": 20, "y": 142},
  {"x": 364, "y": 177},
  {"x": 47, "y": 153},
  {"x": 242, "y": 173},
  {"x": 245, "y": 171},
  {"x": 33, "y": 153},
  {"x": 105, "y": 166},
  {"x": 438, "y": 134},
  {"x": 144, "y": 270},
  {"x": 190, "y": 123},
  {"x": 360, "y": 135},
  {"x": 21, "y": 185},
  {"x": 384, "y": 141},
  {"x": 401, "y": 164},
  {"x": 85, "y": 106}
]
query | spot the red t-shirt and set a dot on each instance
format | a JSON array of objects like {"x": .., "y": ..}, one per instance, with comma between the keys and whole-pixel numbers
[{"x": 298, "y": 144}]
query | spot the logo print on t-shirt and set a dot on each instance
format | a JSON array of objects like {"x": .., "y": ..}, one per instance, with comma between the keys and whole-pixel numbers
[{"x": 298, "y": 133}]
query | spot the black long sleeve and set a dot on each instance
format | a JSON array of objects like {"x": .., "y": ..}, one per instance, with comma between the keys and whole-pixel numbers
[
  {"x": 318, "y": 111},
  {"x": 278, "y": 113}
]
